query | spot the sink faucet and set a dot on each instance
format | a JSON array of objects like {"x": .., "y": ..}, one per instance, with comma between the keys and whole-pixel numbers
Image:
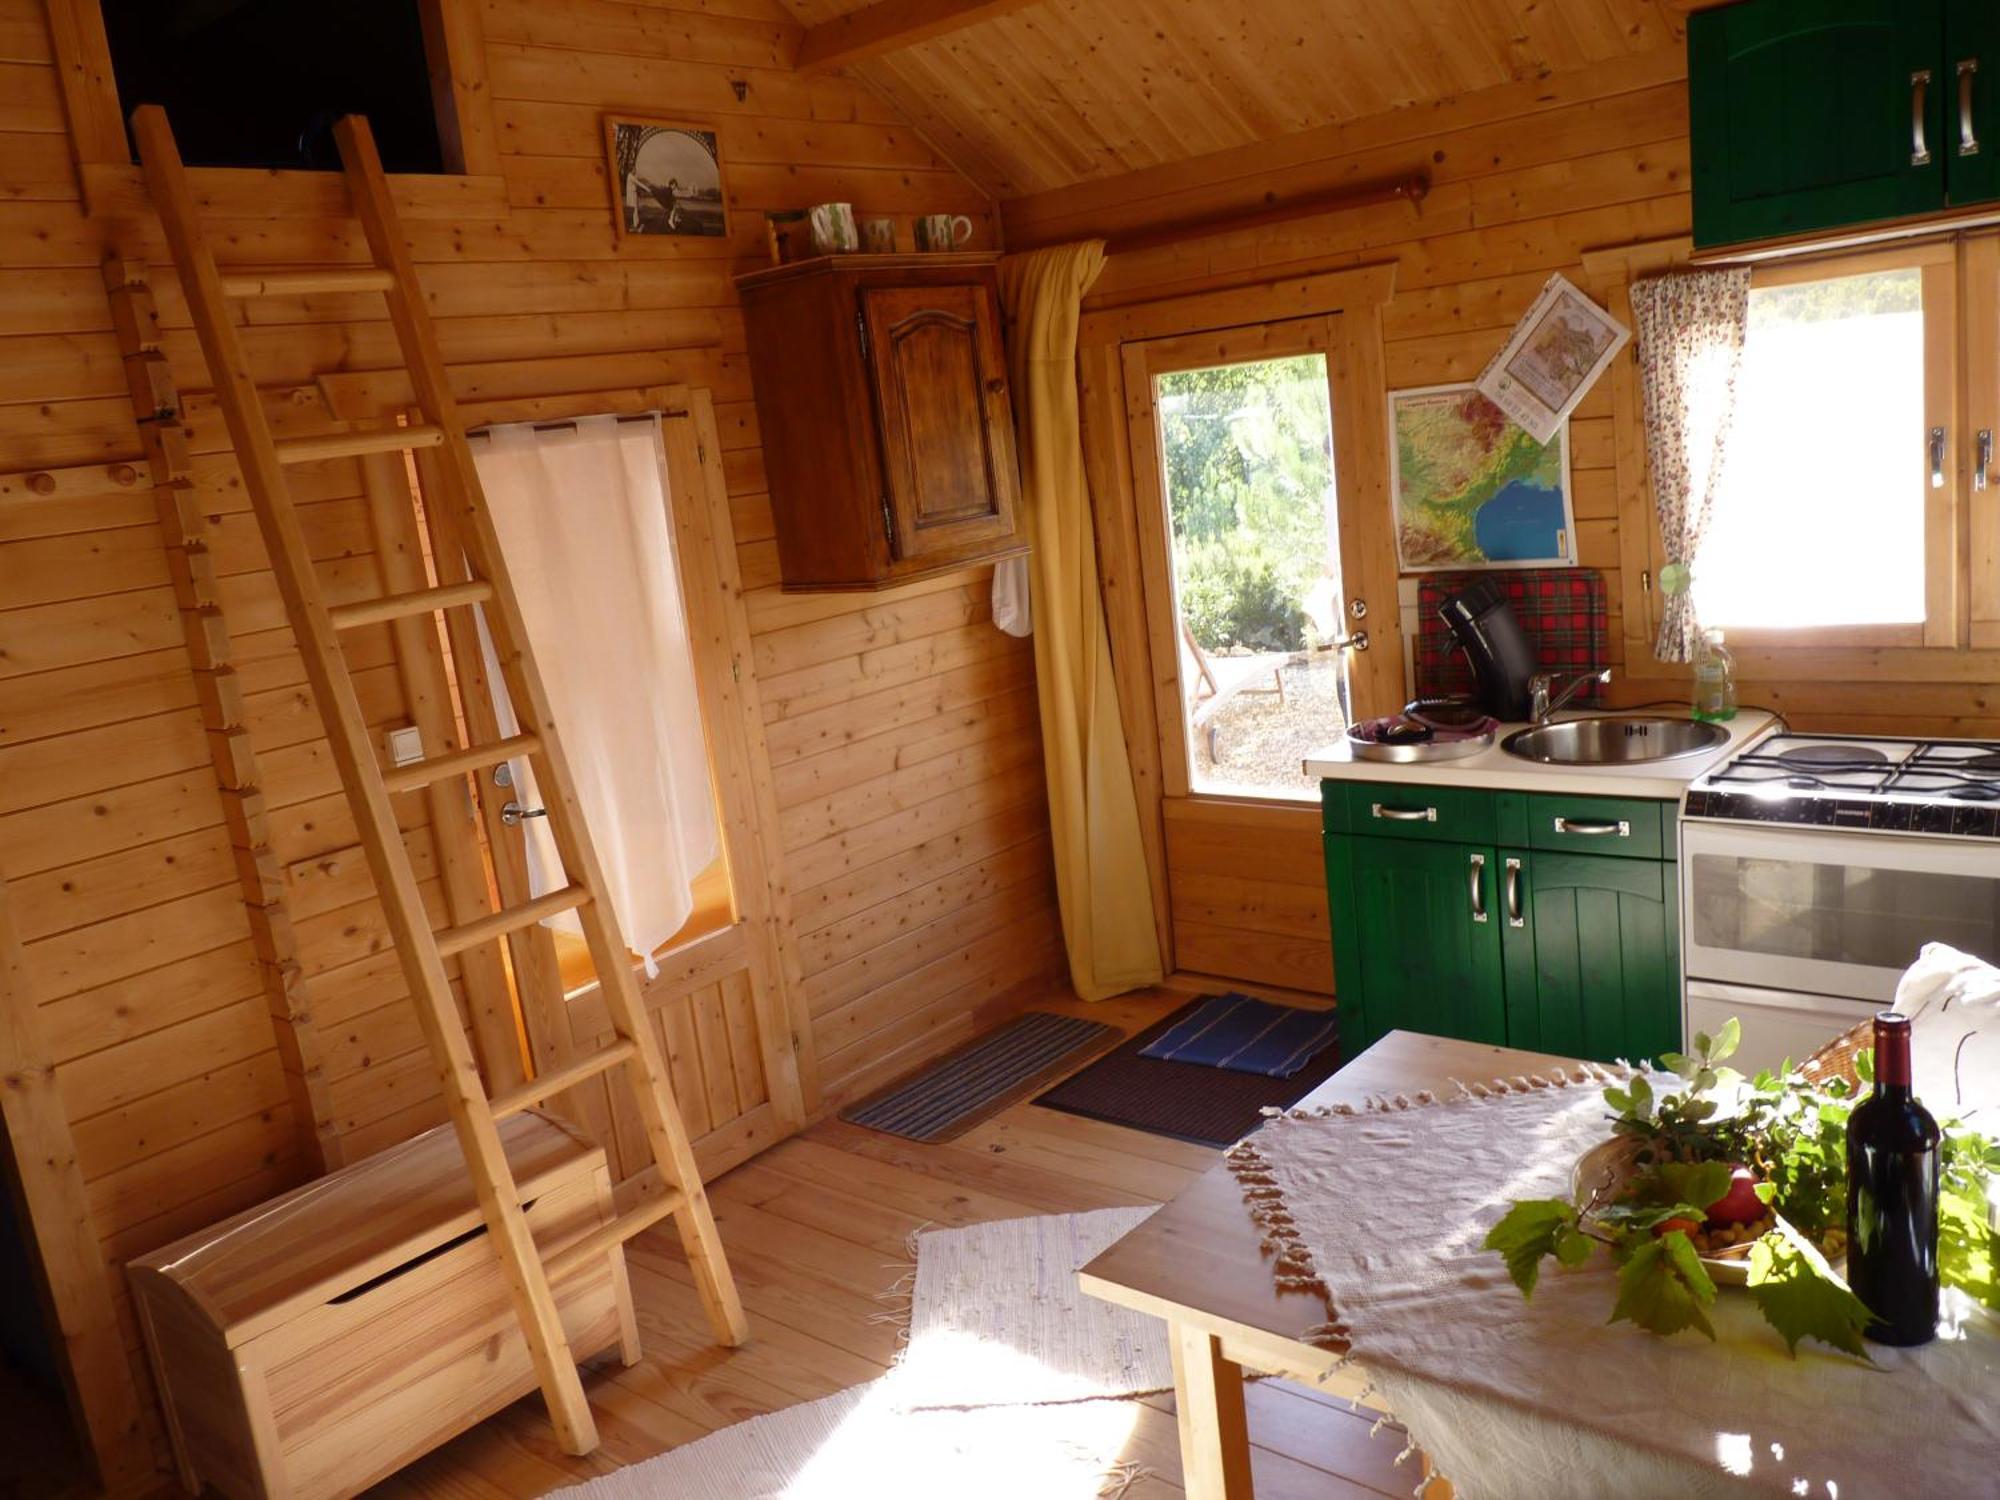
[{"x": 1542, "y": 708}]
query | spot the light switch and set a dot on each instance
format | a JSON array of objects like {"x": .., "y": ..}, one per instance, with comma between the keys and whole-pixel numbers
[{"x": 406, "y": 745}]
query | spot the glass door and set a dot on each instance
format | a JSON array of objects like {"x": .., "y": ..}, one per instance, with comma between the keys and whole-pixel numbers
[{"x": 1260, "y": 594}]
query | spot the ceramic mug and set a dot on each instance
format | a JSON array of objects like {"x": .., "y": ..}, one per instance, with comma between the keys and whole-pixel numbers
[
  {"x": 878, "y": 236},
  {"x": 943, "y": 231},
  {"x": 833, "y": 228}
]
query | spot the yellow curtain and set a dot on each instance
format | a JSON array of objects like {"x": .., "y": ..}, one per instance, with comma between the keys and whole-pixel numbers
[{"x": 1101, "y": 880}]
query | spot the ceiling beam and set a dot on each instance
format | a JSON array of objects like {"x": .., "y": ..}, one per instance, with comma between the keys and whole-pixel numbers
[{"x": 890, "y": 26}]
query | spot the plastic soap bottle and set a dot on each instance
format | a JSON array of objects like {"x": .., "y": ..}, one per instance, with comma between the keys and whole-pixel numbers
[{"x": 1714, "y": 679}]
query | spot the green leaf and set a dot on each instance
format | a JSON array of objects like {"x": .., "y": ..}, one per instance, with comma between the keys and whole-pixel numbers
[
  {"x": 1619, "y": 1100},
  {"x": 1572, "y": 1246},
  {"x": 1642, "y": 1095},
  {"x": 1801, "y": 1297},
  {"x": 1528, "y": 1232},
  {"x": 1693, "y": 1182},
  {"x": 1864, "y": 1065},
  {"x": 1726, "y": 1040},
  {"x": 1966, "y": 1247},
  {"x": 1675, "y": 1062},
  {"x": 1663, "y": 1288}
]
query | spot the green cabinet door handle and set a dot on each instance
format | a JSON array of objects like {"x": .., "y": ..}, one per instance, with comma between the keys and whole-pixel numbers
[{"x": 1594, "y": 826}]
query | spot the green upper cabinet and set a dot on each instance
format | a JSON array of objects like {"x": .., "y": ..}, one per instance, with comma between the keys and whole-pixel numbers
[
  {"x": 1972, "y": 122},
  {"x": 1592, "y": 954},
  {"x": 1416, "y": 939},
  {"x": 1813, "y": 114}
]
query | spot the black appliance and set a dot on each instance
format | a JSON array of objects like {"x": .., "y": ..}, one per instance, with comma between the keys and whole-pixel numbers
[{"x": 1503, "y": 658}]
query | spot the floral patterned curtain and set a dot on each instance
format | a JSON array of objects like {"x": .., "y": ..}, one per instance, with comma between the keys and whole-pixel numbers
[{"x": 1689, "y": 328}]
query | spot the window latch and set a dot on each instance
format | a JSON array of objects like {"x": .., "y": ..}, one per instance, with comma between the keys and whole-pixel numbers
[
  {"x": 1982, "y": 458},
  {"x": 1937, "y": 458}
]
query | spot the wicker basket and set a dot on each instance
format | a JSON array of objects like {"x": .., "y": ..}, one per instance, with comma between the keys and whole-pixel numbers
[{"x": 1836, "y": 1058}]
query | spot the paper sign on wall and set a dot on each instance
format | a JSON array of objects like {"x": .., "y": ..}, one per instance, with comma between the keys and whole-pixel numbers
[{"x": 1554, "y": 357}]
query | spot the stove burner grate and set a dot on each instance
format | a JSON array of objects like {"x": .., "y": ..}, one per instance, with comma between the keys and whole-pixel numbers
[
  {"x": 1975, "y": 791},
  {"x": 1834, "y": 757}
]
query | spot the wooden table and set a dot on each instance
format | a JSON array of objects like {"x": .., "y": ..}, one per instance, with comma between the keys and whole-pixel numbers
[{"x": 1199, "y": 1264}]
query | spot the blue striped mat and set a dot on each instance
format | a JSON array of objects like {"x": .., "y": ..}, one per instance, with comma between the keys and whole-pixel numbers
[
  {"x": 958, "y": 1091},
  {"x": 1246, "y": 1036}
]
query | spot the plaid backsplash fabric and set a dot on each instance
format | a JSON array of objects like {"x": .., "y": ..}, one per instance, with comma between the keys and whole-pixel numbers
[{"x": 1561, "y": 610}]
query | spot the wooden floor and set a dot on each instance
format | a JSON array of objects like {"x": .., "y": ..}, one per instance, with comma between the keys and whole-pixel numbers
[{"x": 815, "y": 1229}]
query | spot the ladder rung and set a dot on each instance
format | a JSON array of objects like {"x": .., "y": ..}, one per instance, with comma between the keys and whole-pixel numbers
[
  {"x": 634, "y": 1221},
  {"x": 423, "y": 772},
  {"x": 307, "y": 283},
  {"x": 402, "y": 606},
  {"x": 452, "y": 940},
  {"x": 548, "y": 1085},
  {"x": 306, "y": 450}
]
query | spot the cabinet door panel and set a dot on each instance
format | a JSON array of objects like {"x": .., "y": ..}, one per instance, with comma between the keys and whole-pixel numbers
[
  {"x": 1808, "y": 115},
  {"x": 947, "y": 439},
  {"x": 1972, "y": 101},
  {"x": 1592, "y": 954},
  {"x": 1412, "y": 949}
]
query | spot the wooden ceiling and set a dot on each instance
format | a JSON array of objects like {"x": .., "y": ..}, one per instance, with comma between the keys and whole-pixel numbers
[{"x": 1032, "y": 95}]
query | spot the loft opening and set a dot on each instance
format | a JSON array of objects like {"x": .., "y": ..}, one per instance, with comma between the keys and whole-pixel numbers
[{"x": 260, "y": 83}]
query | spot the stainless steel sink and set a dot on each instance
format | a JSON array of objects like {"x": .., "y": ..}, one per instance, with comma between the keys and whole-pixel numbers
[{"x": 1616, "y": 740}]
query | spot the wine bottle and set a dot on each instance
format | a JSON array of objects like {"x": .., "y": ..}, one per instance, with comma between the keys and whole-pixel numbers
[{"x": 1892, "y": 1197}]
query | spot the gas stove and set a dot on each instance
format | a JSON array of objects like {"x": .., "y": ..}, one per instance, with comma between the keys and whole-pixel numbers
[{"x": 1934, "y": 788}]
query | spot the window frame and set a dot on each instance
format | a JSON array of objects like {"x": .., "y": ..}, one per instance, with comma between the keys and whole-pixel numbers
[{"x": 1959, "y": 639}]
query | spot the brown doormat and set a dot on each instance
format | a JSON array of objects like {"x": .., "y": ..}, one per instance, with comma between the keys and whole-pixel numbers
[
  {"x": 983, "y": 1077},
  {"x": 1188, "y": 1101}
]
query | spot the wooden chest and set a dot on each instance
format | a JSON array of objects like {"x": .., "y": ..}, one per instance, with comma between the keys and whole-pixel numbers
[{"x": 313, "y": 1345}]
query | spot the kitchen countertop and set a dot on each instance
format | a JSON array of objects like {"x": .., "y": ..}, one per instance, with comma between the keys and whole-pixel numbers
[{"x": 1494, "y": 768}]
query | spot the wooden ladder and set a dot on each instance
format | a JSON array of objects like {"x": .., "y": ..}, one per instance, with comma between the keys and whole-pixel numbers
[{"x": 461, "y": 526}]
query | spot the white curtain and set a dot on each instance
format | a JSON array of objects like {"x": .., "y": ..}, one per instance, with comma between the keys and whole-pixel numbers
[
  {"x": 582, "y": 518},
  {"x": 1690, "y": 330}
]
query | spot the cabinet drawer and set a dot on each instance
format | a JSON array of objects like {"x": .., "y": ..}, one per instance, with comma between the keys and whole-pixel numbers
[
  {"x": 1403, "y": 810},
  {"x": 1596, "y": 825}
]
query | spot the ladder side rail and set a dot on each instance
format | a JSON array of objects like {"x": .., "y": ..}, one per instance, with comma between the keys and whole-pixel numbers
[{"x": 236, "y": 393}]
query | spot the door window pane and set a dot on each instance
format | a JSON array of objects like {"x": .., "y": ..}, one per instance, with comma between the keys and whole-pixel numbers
[
  {"x": 1247, "y": 457},
  {"x": 1819, "y": 519}
]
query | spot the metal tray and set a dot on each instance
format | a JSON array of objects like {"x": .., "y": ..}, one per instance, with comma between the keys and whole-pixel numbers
[{"x": 1427, "y": 750}]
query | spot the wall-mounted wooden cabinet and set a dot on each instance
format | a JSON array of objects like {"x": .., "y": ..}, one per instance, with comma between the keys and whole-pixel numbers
[
  {"x": 881, "y": 385},
  {"x": 1820, "y": 114}
]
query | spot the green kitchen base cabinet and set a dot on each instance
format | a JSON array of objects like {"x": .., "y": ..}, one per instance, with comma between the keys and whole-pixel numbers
[
  {"x": 1590, "y": 946},
  {"x": 1429, "y": 954},
  {"x": 1519, "y": 941}
]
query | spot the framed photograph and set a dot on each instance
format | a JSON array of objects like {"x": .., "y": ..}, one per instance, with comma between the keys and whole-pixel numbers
[
  {"x": 1553, "y": 359},
  {"x": 666, "y": 179},
  {"x": 1472, "y": 488}
]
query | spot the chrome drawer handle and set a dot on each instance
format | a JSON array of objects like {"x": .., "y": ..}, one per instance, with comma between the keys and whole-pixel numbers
[
  {"x": 1968, "y": 137},
  {"x": 1920, "y": 92},
  {"x": 1404, "y": 814},
  {"x": 1477, "y": 877},
  {"x": 1594, "y": 826},
  {"x": 1514, "y": 917}
]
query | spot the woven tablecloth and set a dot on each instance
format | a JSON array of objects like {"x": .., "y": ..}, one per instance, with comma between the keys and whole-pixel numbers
[{"x": 1383, "y": 1210}]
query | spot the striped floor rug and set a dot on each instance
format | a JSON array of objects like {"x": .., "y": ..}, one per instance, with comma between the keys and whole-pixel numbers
[{"x": 1001, "y": 1068}]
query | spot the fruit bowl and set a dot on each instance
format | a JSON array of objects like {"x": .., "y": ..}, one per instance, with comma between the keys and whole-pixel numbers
[{"x": 1599, "y": 1178}]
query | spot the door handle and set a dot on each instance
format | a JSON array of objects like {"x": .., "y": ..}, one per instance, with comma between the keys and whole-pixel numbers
[
  {"x": 1982, "y": 458},
  {"x": 1920, "y": 94},
  {"x": 1968, "y": 136},
  {"x": 1594, "y": 826},
  {"x": 514, "y": 815},
  {"x": 1404, "y": 814},
  {"x": 1514, "y": 917},
  {"x": 1937, "y": 458},
  {"x": 1476, "y": 876},
  {"x": 1358, "y": 641}
]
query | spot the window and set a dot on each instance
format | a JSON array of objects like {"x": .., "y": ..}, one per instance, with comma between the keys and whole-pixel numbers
[
  {"x": 259, "y": 83},
  {"x": 1246, "y": 456},
  {"x": 1827, "y": 516}
]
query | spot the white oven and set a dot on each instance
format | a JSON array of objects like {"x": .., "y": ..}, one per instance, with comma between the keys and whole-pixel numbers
[{"x": 1801, "y": 932}]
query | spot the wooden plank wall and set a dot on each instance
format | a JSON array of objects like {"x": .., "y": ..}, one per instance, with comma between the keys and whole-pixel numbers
[
  {"x": 903, "y": 736},
  {"x": 1526, "y": 177}
]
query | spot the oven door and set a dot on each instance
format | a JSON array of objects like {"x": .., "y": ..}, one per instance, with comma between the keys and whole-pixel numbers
[
  {"x": 1828, "y": 913},
  {"x": 1777, "y": 1024}
]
